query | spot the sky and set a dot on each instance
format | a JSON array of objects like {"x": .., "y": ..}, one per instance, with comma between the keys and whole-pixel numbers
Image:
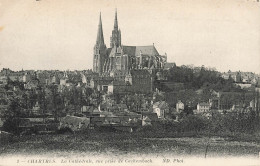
[{"x": 60, "y": 34}]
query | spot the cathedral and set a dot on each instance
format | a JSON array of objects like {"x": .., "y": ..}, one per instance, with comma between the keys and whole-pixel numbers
[{"x": 123, "y": 58}]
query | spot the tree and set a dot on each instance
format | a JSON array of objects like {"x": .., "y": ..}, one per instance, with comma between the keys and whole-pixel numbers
[{"x": 12, "y": 117}]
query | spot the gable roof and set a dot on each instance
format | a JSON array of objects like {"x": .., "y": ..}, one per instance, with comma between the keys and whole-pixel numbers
[
  {"x": 130, "y": 50},
  {"x": 152, "y": 116},
  {"x": 161, "y": 104},
  {"x": 136, "y": 50},
  {"x": 146, "y": 50},
  {"x": 204, "y": 104}
]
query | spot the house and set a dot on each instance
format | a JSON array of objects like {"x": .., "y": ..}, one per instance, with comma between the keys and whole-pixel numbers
[
  {"x": 179, "y": 106},
  {"x": 63, "y": 81},
  {"x": 236, "y": 76},
  {"x": 85, "y": 109},
  {"x": 243, "y": 85},
  {"x": 146, "y": 121},
  {"x": 27, "y": 77},
  {"x": 104, "y": 84},
  {"x": 160, "y": 108},
  {"x": 239, "y": 108},
  {"x": 149, "y": 118},
  {"x": 75, "y": 123},
  {"x": 202, "y": 107},
  {"x": 32, "y": 84}
]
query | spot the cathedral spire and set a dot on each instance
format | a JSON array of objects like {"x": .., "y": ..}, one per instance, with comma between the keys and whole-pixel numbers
[
  {"x": 115, "y": 39},
  {"x": 100, "y": 37},
  {"x": 115, "y": 22}
]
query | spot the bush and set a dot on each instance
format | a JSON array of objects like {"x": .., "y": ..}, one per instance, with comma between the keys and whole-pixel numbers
[
  {"x": 64, "y": 130},
  {"x": 11, "y": 125}
]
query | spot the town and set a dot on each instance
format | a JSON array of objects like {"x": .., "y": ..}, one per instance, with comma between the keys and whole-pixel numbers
[
  {"x": 128, "y": 88},
  {"x": 131, "y": 89}
]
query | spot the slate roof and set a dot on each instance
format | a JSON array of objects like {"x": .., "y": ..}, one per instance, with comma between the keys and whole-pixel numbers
[
  {"x": 204, "y": 104},
  {"x": 135, "y": 50},
  {"x": 161, "y": 104},
  {"x": 146, "y": 50},
  {"x": 130, "y": 50}
]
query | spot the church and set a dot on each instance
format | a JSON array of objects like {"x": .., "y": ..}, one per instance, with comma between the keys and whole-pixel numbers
[{"x": 123, "y": 58}]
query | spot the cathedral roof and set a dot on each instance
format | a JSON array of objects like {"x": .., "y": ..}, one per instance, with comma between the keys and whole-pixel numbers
[
  {"x": 136, "y": 50},
  {"x": 146, "y": 50},
  {"x": 130, "y": 50}
]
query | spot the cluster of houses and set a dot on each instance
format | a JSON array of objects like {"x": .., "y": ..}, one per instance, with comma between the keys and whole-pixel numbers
[
  {"x": 241, "y": 77},
  {"x": 116, "y": 116},
  {"x": 105, "y": 114}
]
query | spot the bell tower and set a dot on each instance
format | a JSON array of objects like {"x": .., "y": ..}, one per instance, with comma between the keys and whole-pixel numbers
[{"x": 99, "y": 50}]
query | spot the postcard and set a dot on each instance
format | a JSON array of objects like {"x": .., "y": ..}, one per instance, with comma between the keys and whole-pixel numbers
[{"x": 127, "y": 82}]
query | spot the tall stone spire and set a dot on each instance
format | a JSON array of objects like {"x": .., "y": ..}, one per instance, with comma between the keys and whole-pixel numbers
[
  {"x": 99, "y": 50},
  {"x": 115, "y": 22},
  {"x": 100, "y": 37},
  {"x": 115, "y": 39}
]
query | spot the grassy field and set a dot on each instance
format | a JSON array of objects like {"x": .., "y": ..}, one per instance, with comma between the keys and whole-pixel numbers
[{"x": 139, "y": 143}]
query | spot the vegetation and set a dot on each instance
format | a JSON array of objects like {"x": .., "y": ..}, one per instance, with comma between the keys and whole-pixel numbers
[
  {"x": 196, "y": 78},
  {"x": 143, "y": 142}
]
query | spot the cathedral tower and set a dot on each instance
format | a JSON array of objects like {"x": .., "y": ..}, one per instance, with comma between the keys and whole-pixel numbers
[
  {"x": 115, "y": 39},
  {"x": 99, "y": 50}
]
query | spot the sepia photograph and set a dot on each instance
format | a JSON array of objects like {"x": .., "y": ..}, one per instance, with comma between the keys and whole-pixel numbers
[{"x": 129, "y": 82}]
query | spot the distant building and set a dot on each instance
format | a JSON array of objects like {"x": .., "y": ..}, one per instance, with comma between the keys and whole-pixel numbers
[
  {"x": 160, "y": 108},
  {"x": 64, "y": 80},
  {"x": 32, "y": 84},
  {"x": 243, "y": 85},
  {"x": 27, "y": 77},
  {"x": 149, "y": 118},
  {"x": 75, "y": 123},
  {"x": 179, "y": 106},
  {"x": 203, "y": 107}
]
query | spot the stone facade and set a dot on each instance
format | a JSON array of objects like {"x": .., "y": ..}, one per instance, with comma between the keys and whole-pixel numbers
[{"x": 123, "y": 58}]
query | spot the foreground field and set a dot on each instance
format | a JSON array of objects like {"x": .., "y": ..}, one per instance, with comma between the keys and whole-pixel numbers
[{"x": 110, "y": 143}]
